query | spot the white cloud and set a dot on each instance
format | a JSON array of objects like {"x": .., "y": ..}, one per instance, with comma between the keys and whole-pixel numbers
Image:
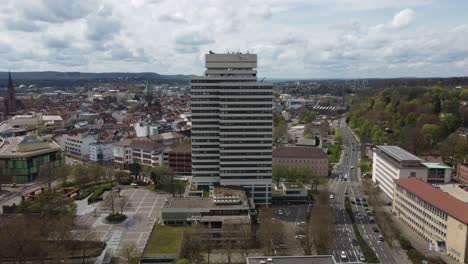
[
  {"x": 403, "y": 18},
  {"x": 294, "y": 38}
]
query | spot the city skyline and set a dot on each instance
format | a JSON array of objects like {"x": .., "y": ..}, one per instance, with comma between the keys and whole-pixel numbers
[{"x": 295, "y": 39}]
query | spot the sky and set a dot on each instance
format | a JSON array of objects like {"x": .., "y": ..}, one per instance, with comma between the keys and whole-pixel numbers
[{"x": 293, "y": 38}]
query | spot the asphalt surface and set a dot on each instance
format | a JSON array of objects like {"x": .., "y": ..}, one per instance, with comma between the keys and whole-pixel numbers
[{"x": 339, "y": 187}]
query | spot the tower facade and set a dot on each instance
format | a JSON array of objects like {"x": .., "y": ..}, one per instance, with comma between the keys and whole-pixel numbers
[
  {"x": 11, "y": 96},
  {"x": 232, "y": 126}
]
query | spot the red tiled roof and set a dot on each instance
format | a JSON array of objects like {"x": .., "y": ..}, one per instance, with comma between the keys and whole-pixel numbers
[
  {"x": 299, "y": 153},
  {"x": 442, "y": 200}
]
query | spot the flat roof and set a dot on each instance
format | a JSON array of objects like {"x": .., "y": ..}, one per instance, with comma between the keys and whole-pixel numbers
[
  {"x": 200, "y": 202},
  {"x": 435, "y": 165},
  {"x": 455, "y": 191},
  {"x": 8, "y": 147},
  {"x": 293, "y": 260},
  {"x": 399, "y": 153},
  {"x": 299, "y": 153},
  {"x": 447, "y": 203}
]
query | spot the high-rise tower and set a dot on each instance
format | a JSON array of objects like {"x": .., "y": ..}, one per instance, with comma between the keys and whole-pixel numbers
[
  {"x": 11, "y": 101},
  {"x": 232, "y": 126}
]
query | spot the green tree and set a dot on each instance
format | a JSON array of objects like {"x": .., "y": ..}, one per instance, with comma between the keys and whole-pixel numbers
[
  {"x": 135, "y": 168},
  {"x": 431, "y": 133},
  {"x": 52, "y": 204},
  {"x": 451, "y": 122},
  {"x": 280, "y": 171},
  {"x": 305, "y": 116},
  {"x": 364, "y": 166}
]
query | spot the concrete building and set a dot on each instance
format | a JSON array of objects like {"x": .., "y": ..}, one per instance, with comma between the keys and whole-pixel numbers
[
  {"x": 101, "y": 151},
  {"x": 180, "y": 160},
  {"x": 145, "y": 129},
  {"x": 313, "y": 158},
  {"x": 290, "y": 192},
  {"x": 462, "y": 172},
  {"x": 224, "y": 206},
  {"x": 437, "y": 216},
  {"x": 393, "y": 162},
  {"x": 232, "y": 126},
  {"x": 21, "y": 157},
  {"x": 77, "y": 144}
]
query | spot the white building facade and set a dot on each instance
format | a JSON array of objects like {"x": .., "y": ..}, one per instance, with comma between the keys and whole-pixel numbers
[
  {"x": 393, "y": 162},
  {"x": 232, "y": 126}
]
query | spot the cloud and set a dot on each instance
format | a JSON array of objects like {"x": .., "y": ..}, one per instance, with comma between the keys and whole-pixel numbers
[
  {"x": 55, "y": 11},
  {"x": 403, "y": 18},
  {"x": 57, "y": 43},
  {"x": 102, "y": 26},
  {"x": 22, "y": 25},
  {"x": 177, "y": 17},
  {"x": 189, "y": 41}
]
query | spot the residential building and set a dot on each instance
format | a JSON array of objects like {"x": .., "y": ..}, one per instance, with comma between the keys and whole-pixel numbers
[
  {"x": 462, "y": 172},
  {"x": 180, "y": 160},
  {"x": 144, "y": 129},
  {"x": 101, "y": 151},
  {"x": 77, "y": 144},
  {"x": 21, "y": 157},
  {"x": 232, "y": 126},
  {"x": 313, "y": 158},
  {"x": 437, "y": 216},
  {"x": 393, "y": 162}
]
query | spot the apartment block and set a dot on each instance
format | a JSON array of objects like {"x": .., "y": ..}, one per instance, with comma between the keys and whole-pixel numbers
[
  {"x": 313, "y": 158},
  {"x": 437, "y": 216}
]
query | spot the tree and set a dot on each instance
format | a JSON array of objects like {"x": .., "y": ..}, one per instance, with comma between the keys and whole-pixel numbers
[
  {"x": 121, "y": 202},
  {"x": 96, "y": 172},
  {"x": 52, "y": 204},
  {"x": 131, "y": 254},
  {"x": 62, "y": 173},
  {"x": 271, "y": 232},
  {"x": 305, "y": 116},
  {"x": 46, "y": 173},
  {"x": 320, "y": 229},
  {"x": 110, "y": 202},
  {"x": 450, "y": 121},
  {"x": 135, "y": 169},
  {"x": 121, "y": 176},
  {"x": 364, "y": 166},
  {"x": 280, "y": 171},
  {"x": 431, "y": 133},
  {"x": 80, "y": 174}
]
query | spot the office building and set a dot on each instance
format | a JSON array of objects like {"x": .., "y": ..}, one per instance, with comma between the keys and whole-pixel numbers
[
  {"x": 313, "y": 158},
  {"x": 180, "y": 160},
  {"x": 101, "y": 151},
  {"x": 436, "y": 215},
  {"x": 232, "y": 126},
  {"x": 393, "y": 162},
  {"x": 21, "y": 158}
]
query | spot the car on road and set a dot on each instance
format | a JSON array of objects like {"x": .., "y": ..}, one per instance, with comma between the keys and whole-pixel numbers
[
  {"x": 369, "y": 213},
  {"x": 362, "y": 258},
  {"x": 365, "y": 204},
  {"x": 371, "y": 220},
  {"x": 375, "y": 229},
  {"x": 354, "y": 242},
  {"x": 381, "y": 238},
  {"x": 280, "y": 212},
  {"x": 134, "y": 185},
  {"x": 363, "y": 199},
  {"x": 331, "y": 196},
  {"x": 300, "y": 237},
  {"x": 343, "y": 255}
]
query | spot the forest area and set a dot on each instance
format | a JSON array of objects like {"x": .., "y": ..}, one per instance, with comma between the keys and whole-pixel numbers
[{"x": 424, "y": 121}]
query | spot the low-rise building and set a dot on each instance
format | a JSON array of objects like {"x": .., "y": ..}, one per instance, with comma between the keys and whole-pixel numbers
[
  {"x": 393, "y": 162},
  {"x": 77, "y": 144},
  {"x": 437, "y": 216},
  {"x": 290, "y": 192},
  {"x": 101, "y": 151},
  {"x": 21, "y": 157},
  {"x": 224, "y": 206},
  {"x": 313, "y": 158},
  {"x": 462, "y": 172}
]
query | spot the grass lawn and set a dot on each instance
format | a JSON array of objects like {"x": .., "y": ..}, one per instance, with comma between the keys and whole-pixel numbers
[
  {"x": 334, "y": 155},
  {"x": 164, "y": 240}
]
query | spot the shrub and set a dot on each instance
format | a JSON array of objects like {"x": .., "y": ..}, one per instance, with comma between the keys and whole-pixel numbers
[{"x": 116, "y": 218}]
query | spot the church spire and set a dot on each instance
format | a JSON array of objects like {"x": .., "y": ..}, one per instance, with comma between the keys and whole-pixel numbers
[{"x": 10, "y": 81}]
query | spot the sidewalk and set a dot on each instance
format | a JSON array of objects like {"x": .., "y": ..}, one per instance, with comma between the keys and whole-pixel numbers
[{"x": 420, "y": 243}]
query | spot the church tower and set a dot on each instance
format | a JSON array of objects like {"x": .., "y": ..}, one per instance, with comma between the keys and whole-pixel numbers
[{"x": 10, "y": 96}]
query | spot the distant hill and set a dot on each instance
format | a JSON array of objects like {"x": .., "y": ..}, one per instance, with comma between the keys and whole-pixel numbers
[{"x": 54, "y": 75}]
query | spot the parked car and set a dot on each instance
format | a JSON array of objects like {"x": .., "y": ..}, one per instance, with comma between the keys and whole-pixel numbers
[
  {"x": 343, "y": 255},
  {"x": 331, "y": 196},
  {"x": 375, "y": 229},
  {"x": 381, "y": 238},
  {"x": 354, "y": 242},
  {"x": 362, "y": 258},
  {"x": 280, "y": 212},
  {"x": 134, "y": 185}
]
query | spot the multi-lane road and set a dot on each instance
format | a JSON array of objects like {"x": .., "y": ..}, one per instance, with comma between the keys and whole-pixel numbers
[{"x": 346, "y": 181}]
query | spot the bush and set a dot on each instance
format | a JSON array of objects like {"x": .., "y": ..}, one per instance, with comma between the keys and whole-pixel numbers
[
  {"x": 405, "y": 243},
  {"x": 116, "y": 218}
]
